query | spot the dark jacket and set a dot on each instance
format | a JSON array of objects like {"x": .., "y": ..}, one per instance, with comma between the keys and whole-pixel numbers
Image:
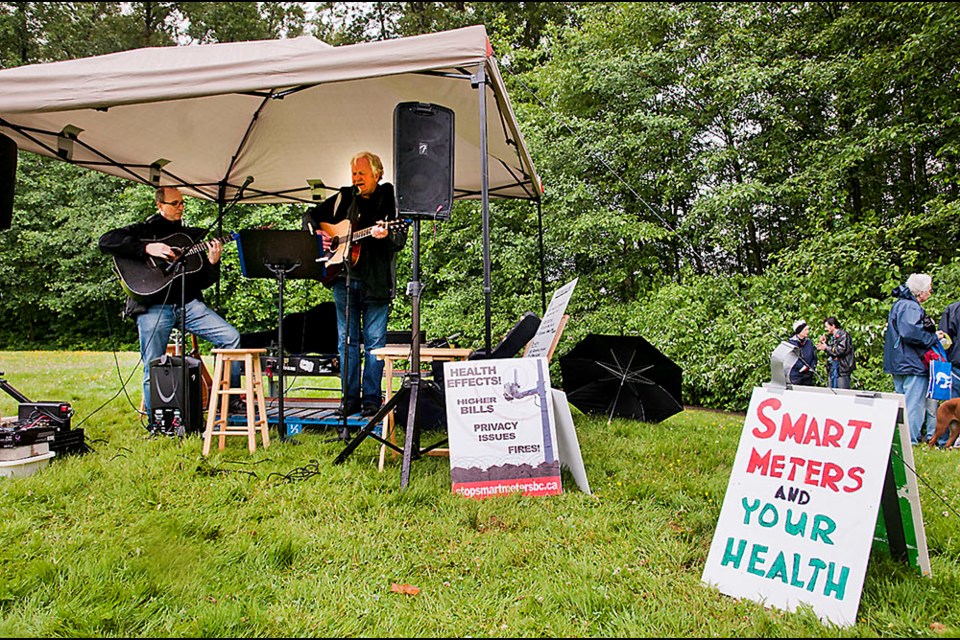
[
  {"x": 376, "y": 264},
  {"x": 840, "y": 348},
  {"x": 906, "y": 339},
  {"x": 806, "y": 364},
  {"x": 950, "y": 325},
  {"x": 131, "y": 242}
]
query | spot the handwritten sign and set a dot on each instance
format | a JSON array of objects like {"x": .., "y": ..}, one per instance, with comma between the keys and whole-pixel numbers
[
  {"x": 501, "y": 428},
  {"x": 540, "y": 344},
  {"x": 798, "y": 518}
]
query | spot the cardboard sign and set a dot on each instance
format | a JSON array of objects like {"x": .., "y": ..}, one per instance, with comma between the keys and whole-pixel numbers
[
  {"x": 501, "y": 427},
  {"x": 800, "y": 512},
  {"x": 540, "y": 344},
  {"x": 568, "y": 443}
]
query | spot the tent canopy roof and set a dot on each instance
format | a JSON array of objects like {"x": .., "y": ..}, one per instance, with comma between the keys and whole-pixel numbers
[{"x": 286, "y": 113}]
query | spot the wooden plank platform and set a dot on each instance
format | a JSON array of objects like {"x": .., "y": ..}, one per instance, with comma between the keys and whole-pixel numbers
[{"x": 308, "y": 412}]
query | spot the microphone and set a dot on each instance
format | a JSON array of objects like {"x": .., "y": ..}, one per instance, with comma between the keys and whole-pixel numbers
[
  {"x": 246, "y": 183},
  {"x": 356, "y": 190}
]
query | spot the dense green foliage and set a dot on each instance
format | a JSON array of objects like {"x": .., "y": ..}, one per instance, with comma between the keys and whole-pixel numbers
[
  {"x": 712, "y": 172},
  {"x": 146, "y": 538}
]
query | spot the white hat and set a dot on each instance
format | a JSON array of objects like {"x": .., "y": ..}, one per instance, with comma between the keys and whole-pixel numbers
[{"x": 798, "y": 326}]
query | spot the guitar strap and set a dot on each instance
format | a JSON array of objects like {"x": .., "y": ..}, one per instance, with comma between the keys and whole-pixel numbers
[{"x": 353, "y": 213}]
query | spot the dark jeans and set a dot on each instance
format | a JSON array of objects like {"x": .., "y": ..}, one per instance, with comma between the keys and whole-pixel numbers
[
  {"x": 838, "y": 380},
  {"x": 371, "y": 319}
]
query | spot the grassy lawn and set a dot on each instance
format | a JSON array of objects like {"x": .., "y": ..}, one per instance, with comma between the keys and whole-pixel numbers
[{"x": 144, "y": 537}]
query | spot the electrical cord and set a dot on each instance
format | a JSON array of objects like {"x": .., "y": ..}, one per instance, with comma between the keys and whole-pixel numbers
[
  {"x": 300, "y": 473},
  {"x": 205, "y": 468}
]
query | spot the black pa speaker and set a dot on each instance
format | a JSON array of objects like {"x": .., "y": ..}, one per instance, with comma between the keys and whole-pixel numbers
[
  {"x": 169, "y": 413},
  {"x": 423, "y": 160},
  {"x": 8, "y": 179}
]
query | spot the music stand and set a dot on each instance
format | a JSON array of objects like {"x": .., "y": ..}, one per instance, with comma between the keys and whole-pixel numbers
[{"x": 280, "y": 255}]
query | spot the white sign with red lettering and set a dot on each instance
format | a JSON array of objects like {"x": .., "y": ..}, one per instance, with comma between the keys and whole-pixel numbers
[
  {"x": 798, "y": 519},
  {"x": 501, "y": 427}
]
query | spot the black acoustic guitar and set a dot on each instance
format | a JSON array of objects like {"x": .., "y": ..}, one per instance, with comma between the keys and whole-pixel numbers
[{"x": 144, "y": 278}]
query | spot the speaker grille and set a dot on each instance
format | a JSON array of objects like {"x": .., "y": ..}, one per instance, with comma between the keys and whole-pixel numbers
[{"x": 423, "y": 159}]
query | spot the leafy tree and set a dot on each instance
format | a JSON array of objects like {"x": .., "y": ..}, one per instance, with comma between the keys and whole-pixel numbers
[
  {"x": 239, "y": 21},
  {"x": 719, "y": 121}
]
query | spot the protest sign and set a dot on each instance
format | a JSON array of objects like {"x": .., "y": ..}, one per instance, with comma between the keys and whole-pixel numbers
[
  {"x": 542, "y": 343},
  {"x": 800, "y": 512},
  {"x": 501, "y": 427}
]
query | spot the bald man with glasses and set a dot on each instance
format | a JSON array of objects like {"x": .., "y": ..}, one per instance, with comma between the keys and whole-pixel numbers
[{"x": 158, "y": 313}]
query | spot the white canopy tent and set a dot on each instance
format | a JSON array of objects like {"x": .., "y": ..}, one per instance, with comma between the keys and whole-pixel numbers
[{"x": 260, "y": 122}]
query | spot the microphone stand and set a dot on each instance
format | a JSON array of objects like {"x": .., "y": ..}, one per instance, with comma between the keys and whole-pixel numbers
[
  {"x": 184, "y": 378},
  {"x": 344, "y": 434},
  {"x": 178, "y": 266},
  {"x": 344, "y": 431}
]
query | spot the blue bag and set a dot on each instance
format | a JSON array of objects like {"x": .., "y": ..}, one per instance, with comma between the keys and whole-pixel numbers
[{"x": 940, "y": 381}]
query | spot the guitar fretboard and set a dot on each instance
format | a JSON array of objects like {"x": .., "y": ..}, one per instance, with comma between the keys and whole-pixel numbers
[
  {"x": 206, "y": 244},
  {"x": 363, "y": 233}
]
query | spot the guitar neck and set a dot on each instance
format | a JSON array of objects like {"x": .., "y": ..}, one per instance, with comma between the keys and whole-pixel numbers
[
  {"x": 363, "y": 233},
  {"x": 205, "y": 245}
]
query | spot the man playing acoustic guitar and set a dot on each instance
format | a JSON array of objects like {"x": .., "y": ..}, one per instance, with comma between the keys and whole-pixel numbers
[
  {"x": 359, "y": 224},
  {"x": 142, "y": 253}
]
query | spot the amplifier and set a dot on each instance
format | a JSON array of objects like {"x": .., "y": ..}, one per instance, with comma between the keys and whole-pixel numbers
[
  {"x": 173, "y": 409},
  {"x": 50, "y": 414},
  {"x": 319, "y": 365}
]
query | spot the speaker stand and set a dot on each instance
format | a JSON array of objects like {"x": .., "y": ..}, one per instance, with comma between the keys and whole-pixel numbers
[{"x": 412, "y": 387}]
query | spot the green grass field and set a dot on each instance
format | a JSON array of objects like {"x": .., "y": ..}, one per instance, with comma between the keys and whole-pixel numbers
[{"x": 146, "y": 538}]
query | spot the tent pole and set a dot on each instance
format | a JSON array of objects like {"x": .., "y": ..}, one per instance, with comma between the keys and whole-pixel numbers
[
  {"x": 480, "y": 82},
  {"x": 543, "y": 276},
  {"x": 221, "y": 197}
]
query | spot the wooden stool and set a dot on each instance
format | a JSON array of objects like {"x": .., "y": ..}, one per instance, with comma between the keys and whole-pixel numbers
[{"x": 221, "y": 391}]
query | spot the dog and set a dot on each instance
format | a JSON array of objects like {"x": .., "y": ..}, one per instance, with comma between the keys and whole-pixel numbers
[{"x": 948, "y": 417}]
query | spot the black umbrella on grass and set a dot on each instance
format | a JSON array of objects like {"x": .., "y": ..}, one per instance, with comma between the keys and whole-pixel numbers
[{"x": 622, "y": 376}]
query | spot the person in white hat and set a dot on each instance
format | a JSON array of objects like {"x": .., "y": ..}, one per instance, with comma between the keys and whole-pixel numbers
[{"x": 803, "y": 369}]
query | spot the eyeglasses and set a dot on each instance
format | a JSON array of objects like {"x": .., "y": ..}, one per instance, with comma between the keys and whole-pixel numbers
[{"x": 175, "y": 203}]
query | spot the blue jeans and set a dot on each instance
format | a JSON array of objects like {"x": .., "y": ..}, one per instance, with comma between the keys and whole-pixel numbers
[
  {"x": 156, "y": 324},
  {"x": 371, "y": 319},
  {"x": 838, "y": 381},
  {"x": 919, "y": 414}
]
